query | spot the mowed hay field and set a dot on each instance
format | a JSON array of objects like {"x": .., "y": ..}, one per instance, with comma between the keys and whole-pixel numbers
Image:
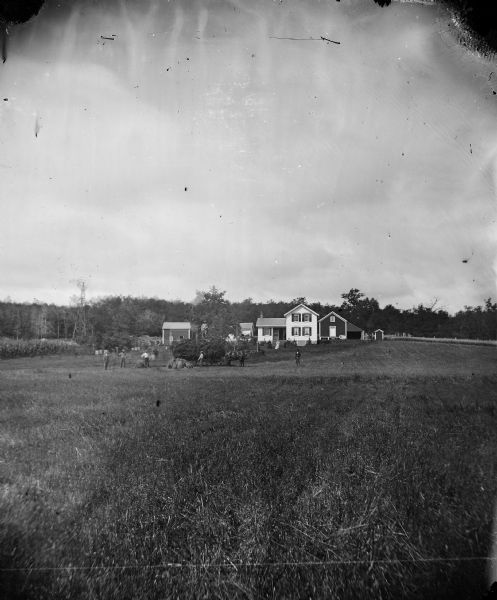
[{"x": 368, "y": 472}]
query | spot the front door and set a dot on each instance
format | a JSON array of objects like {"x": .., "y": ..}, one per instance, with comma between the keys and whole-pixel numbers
[
  {"x": 333, "y": 331},
  {"x": 276, "y": 335}
]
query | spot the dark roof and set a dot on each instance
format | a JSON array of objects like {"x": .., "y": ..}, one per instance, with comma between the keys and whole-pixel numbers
[{"x": 352, "y": 327}]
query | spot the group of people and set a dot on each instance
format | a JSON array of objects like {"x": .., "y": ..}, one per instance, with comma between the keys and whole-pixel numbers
[
  {"x": 122, "y": 356},
  {"x": 240, "y": 356}
]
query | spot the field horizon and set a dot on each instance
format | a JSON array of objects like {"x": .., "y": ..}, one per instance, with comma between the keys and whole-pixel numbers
[{"x": 368, "y": 471}]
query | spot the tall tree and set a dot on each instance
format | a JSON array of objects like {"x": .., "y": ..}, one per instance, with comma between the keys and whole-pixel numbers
[{"x": 212, "y": 308}]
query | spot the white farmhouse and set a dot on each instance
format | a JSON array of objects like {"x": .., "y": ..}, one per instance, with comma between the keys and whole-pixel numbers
[{"x": 302, "y": 325}]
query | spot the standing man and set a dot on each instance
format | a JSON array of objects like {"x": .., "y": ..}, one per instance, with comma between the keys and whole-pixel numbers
[
  {"x": 122, "y": 354},
  {"x": 106, "y": 359},
  {"x": 242, "y": 358},
  {"x": 146, "y": 359},
  {"x": 200, "y": 359},
  {"x": 297, "y": 357}
]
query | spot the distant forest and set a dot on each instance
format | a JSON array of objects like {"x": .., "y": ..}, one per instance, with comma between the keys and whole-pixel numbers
[{"x": 119, "y": 320}]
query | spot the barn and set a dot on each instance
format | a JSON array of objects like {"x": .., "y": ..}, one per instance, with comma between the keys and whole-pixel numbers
[
  {"x": 173, "y": 331},
  {"x": 334, "y": 326}
]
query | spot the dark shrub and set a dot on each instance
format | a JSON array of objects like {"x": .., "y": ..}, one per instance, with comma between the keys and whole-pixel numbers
[
  {"x": 186, "y": 349},
  {"x": 214, "y": 350}
]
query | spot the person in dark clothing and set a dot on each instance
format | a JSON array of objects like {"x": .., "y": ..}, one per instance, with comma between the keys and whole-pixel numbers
[{"x": 297, "y": 357}]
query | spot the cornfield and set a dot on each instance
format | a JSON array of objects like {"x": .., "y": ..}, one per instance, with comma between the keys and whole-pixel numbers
[{"x": 10, "y": 348}]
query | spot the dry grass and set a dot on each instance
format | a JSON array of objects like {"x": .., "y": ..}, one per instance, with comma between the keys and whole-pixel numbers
[{"x": 246, "y": 476}]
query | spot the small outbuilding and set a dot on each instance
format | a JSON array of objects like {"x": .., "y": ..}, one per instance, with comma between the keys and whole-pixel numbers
[
  {"x": 247, "y": 329},
  {"x": 174, "y": 331},
  {"x": 379, "y": 335}
]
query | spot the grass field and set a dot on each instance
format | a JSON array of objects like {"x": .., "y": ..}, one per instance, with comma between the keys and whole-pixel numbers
[{"x": 343, "y": 478}]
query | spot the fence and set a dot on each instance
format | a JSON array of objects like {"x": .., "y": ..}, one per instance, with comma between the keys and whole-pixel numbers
[{"x": 441, "y": 340}]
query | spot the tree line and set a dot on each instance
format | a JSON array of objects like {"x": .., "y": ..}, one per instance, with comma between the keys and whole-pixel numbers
[{"x": 119, "y": 320}]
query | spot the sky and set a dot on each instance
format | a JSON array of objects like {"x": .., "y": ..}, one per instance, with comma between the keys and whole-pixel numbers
[{"x": 201, "y": 146}]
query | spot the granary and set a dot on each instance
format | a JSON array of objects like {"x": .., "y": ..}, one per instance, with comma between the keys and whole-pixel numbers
[
  {"x": 300, "y": 324},
  {"x": 173, "y": 331},
  {"x": 334, "y": 326},
  {"x": 247, "y": 329}
]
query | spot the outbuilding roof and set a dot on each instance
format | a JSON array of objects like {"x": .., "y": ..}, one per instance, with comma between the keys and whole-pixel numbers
[
  {"x": 176, "y": 325},
  {"x": 352, "y": 327},
  {"x": 246, "y": 325}
]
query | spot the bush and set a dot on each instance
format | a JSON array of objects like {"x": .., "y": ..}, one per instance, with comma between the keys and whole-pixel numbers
[
  {"x": 186, "y": 349},
  {"x": 116, "y": 340},
  {"x": 214, "y": 350}
]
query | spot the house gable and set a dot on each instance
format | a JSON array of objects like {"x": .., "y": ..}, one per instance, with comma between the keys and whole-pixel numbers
[{"x": 301, "y": 308}]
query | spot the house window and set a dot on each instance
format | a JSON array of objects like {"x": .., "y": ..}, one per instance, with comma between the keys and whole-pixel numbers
[
  {"x": 295, "y": 317},
  {"x": 295, "y": 330},
  {"x": 307, "y": 317},
  {"x": 332, "y": 319},
  {"x": 266, "y": 331},
  {"x": 306, "y": 331}
]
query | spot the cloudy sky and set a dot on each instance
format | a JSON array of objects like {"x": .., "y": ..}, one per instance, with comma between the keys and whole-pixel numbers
[{"x": 199, "y": 146}]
